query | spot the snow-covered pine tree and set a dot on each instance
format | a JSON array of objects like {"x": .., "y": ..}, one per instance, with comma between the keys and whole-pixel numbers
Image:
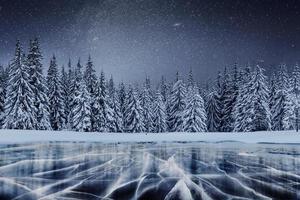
[
  {"x": 295, "y": 92},
  {"x": 190, "y": 81},
  {"x": 56, "y": 100},
  {"x": 90, "y": 76},
  {"x": 76, "y": 77},
  {"x": 159, "y": 114},
  {"x": 92, "y": 84},
  {"x": 19, "y": 101},
  {"x": 65, "y": 94},
  {"x": 163, "y": 88},
  {"x": 81, "y": 110},
  {"x": 122, "y": 102},
  {"x": 282, "y": 109},
  {"x": 252, "y": 111},
  {"x": 194, "y": 113},
  {"x": 272, "y": 97},
  {"x": 3, "y": 85},
  {"x": 146, "y": 104},
  {"x": 105, "y": 115},
  {"x": 177, "y": 105},
  {"x": 38, "y": 86},
  {"x": 133, "y": 113},
  {"x": 213, "y": 111},
  {"x": 117, "y": 123},
  {"x": 230, "y": 92}
]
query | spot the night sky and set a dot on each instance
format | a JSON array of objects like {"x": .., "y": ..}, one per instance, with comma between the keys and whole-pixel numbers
[{"x": 134, "y": 38}]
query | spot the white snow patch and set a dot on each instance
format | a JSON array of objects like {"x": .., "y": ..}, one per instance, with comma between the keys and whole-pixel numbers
[{"x": 21, "y": 136}]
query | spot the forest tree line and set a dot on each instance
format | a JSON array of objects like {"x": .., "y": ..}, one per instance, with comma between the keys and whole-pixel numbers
[{"x": 75, "y": 98}]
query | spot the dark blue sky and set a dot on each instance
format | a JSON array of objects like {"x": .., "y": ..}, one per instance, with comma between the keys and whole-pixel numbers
[{"x": 132, "y": 39}]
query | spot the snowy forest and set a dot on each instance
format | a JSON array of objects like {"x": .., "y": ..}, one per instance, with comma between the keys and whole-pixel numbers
[{"x": 241, "y": 99}]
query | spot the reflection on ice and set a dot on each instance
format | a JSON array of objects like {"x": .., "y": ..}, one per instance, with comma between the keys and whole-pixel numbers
[{"x": 65, "y": 170}]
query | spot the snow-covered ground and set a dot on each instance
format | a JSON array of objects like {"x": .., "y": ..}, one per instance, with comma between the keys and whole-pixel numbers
[{"x": 20, "y": 136}]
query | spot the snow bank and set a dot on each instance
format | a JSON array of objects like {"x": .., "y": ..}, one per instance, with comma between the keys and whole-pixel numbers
[{"x": 20, "y": 136}]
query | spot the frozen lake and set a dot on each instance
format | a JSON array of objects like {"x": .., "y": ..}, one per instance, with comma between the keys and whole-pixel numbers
[{"x": 170, "y": 170}]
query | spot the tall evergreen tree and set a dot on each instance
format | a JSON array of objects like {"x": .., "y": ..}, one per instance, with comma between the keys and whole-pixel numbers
[
  {"x": 91, "y": 83},
  {"x": 159, "y": 114},
  {"x": 146, "y": 104},
  {"x": 19, "y": 102},
  {"x": 65, "y": 94},
  {"x": 113, "y": 102},
  {"x": 76, "y": 92},
  {"x": 230, "y": 93},
  {"x": 282, "y": 111},
  {"x": 177, "y": 106},
  {"x": 3, "y": 85},
  {"x": 252, "y": 111},
  {"x": 38, "y": 85},
  {"x": 122, "y": 102},
  {"x": 56, "y": 100},
  {"x": 295, "y": 93},
  {"x": 213, "y": 111},
  {"x": 194, "y": 114},
  {"x": 82, "y": 110},
  {"x": 163, "y": 88},
  {"x": 133, "y": 113}
]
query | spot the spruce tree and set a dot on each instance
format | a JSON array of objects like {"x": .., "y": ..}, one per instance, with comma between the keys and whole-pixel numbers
[
  {"x": 91, "y": 83},
  {"x": 81, "y": 109},
  {"x": 76, "y": 92},
  {"x": 113, "y": 102},
  {"x": 19, "y": 101},
  {"x": 163, "y": 88},
  {"x": 122, "y": 102},
  {"x": 133, "y": 113},
  {"x": 252, "y": 111},
  {"x": 295, "y": 93},
  {"x": 65, "y": 94},
  {"x": 56, "y": 100},
  {"x": 146, "y": 104},
  {"x": 282, "y": 110},
  {"x": 194, "y": 114},
  {"x": 3, "y": 87},
  {"x": 177, "y": 105},
  {"x": 213, "y": 111},
  {"x": 230, "y": 94},
  {"x": 159, "y": 114},
  {"x": 38, "y": 86}
]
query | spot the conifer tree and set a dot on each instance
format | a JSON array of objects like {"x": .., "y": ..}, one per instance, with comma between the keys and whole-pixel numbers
[
  {"x": 122, "y": 102},
  {"x": 38, "y": 85},
  {"x": 3, "y": 85},
  {"x": 113, "y": 102},
  {"x": 159, "y": 114},
  {"x": 76, "y": 91},
  {"x": 133, "y": 113},
  {"x": 295, "y": 93},
  {"x": 282, "y": 111},
  {"x": 65, "y": 94},
  {"x": 194, "y": 114},
  {"x": 82, "y": 110},
  {"x": 230, "y": 93},
  {"x": 91, "y": 83},
  {"x": 163, "y": 88},
  {"x": 146, "y": 104},
  {"x": 213, "y": 112},
  {"x": 19, "y": 101},
  {"x": 177, "y": 106},
  {"x": 252, "y": 111},
  {"x": 56, "y": 100}
]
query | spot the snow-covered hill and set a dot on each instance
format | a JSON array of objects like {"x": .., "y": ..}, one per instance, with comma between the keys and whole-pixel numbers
[{"x": 20, "y": 136}]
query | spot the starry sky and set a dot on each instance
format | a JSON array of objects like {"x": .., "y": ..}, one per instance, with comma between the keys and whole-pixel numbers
[{"x": 134, "y": 38}]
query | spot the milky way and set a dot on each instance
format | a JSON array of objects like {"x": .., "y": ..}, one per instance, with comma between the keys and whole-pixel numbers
[{"x": 132, "y": 39}]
